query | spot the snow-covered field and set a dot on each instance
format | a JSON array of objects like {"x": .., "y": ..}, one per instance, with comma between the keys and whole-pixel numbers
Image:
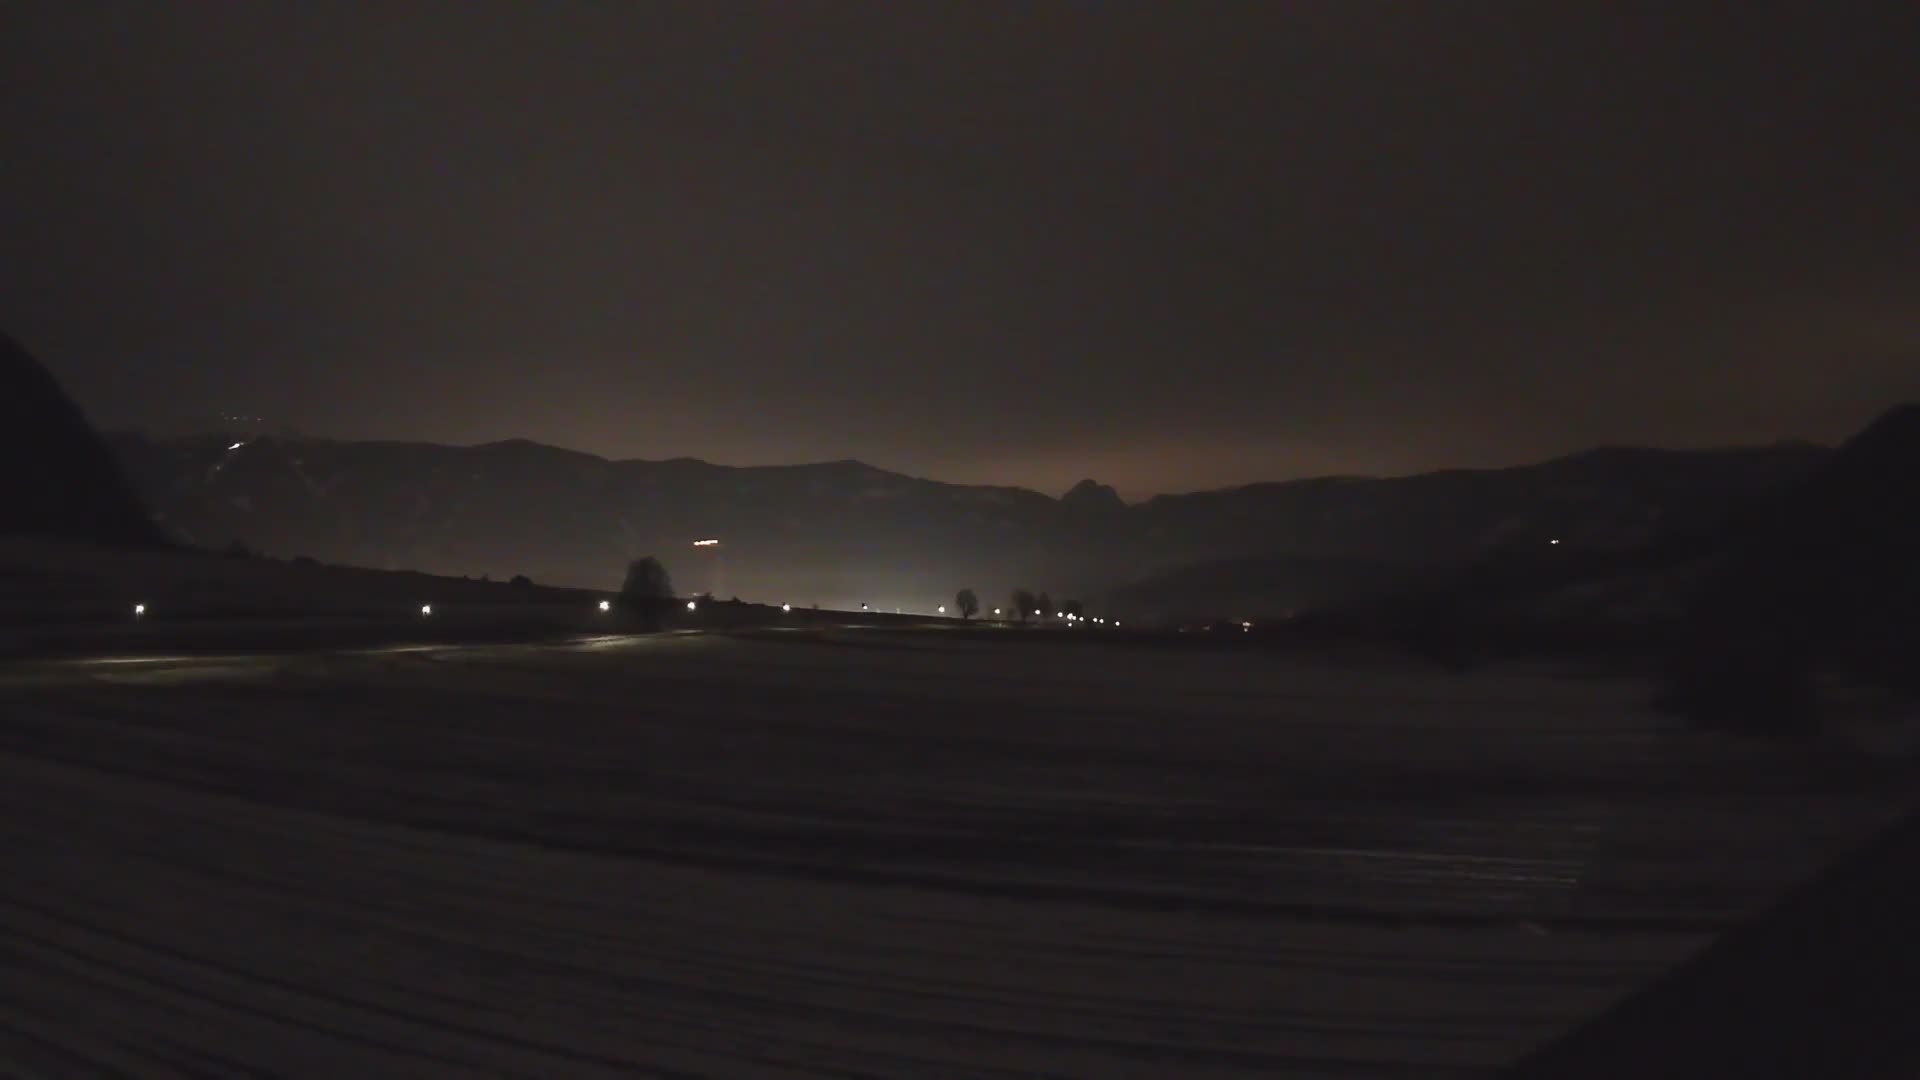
[{"x": 868, "y": 854}]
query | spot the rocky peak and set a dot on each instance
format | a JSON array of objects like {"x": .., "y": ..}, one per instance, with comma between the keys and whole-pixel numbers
[{"x": 1090, "y": 495}]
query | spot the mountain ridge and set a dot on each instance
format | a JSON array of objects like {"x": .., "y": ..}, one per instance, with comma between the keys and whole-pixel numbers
[
  {"x": 124, "y": 435},
  {"x": 847, "y": 532}
]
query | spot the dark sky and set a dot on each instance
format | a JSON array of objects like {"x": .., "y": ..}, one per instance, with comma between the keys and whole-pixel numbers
[{"x": 1169, "y": 246}]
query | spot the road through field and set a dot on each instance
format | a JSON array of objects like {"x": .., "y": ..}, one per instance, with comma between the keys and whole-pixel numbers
[{"x": 855, "y": 854}]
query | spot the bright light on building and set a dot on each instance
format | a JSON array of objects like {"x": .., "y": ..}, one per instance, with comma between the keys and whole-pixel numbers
[
  {"x": 1553, "y": 541},
  {"x": 692, "y": 606},
  {"x": 606, "y": 605},
  {"x": 236, "y": 446},
  {"x": 705, "y": 543},
  {"x": 996, "y": 613},
  {"x": 786, "y": 607},
  {"x": 139, "y": 610},
  {"x": 942, "y": 609},
  {"x": 426, "y": 610}
]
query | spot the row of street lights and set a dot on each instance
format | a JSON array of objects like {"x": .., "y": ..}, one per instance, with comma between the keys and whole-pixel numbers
[
  {"x": 1077, "y": 620},
  {"x": 605, "y": 606},
  {"x": 426, "y": 610},
  {"x": 1071, "y": 618}
]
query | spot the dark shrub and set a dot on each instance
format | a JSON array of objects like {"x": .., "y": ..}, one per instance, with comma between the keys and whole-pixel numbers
[
  {"x": 646, "y": 597},
  {"x": 1024, "y": 603}
]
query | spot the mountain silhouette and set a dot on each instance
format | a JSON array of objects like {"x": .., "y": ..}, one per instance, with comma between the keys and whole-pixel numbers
[
  {"x": 845, "y": 532},
  {"x": 59, "y": 480},
  {"x": 1089, "y": 496}
]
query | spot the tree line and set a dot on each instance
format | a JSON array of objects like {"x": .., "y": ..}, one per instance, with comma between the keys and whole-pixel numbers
[{"x": 1026, "y": 605}]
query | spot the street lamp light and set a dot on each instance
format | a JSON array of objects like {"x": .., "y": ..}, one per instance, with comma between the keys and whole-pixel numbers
[
  {"x": 606, "y": 605},
  {"x": 139, "y": 610},
  {"x": 692, "y": 606},
  {"x": 426, "y": 610},
  {"x": 786, "y": 607},
  {"x": 942, "y": 609},
  {"x": 716, "y": 573}
]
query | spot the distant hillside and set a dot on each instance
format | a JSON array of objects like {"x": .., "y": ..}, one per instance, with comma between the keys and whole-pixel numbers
[
  {"x": 842, "y": 533},
  {"x": 1523, "y": 532},
  {"x": 57, "y": 479}
]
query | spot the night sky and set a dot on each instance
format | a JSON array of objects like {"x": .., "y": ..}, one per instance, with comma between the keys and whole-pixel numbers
[{"x": 1168, "y": 246}]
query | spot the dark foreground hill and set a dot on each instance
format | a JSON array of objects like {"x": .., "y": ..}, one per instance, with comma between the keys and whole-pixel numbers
[
  {"x": 844, "y": 533},
  {"x": 1746, "y": 598},
  {"x": 1825, "y": 576},
  {"x": 57, "y": 478},
  {"x": 1816, "y": 987}
]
